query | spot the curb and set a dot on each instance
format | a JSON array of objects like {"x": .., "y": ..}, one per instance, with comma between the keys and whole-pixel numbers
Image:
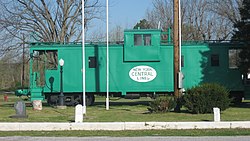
[{"x": 119, "y": 126}]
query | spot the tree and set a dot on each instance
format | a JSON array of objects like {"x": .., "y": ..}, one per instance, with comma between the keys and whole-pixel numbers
[
  {"x": 44, "y": 21},
  {"x": 116, "y": 34},
  {"x": 229, "y": 9},
  {"x": 162, "y": 12},
  {"x": 242, "y": 33},
  {"x": 227, "y": 14},
  {"x": 40, "y": 21},
  {"x": 242, "y": 27},
  {"x": 143, "y": 24},
  {"x": 201, "y": 19},
  {"x": 10, "y": 71},
  {"x": 48, "y": 20}
]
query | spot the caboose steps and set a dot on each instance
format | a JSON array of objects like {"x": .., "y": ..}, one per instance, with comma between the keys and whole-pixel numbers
[{"x": 36, "y": 94}]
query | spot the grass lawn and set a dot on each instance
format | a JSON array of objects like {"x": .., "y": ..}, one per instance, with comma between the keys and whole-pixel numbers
[{"x": 120, "y": 110}]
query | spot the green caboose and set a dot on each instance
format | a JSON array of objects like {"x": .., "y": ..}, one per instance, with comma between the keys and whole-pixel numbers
[{"x": 141, "y": 66}]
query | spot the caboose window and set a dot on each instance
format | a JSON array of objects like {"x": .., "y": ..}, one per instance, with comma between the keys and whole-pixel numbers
[
  {"x": 142, "y": 40},
  {"x": 215, "y": 60},
  {"x": 137, "y": 40},
  {"x": 182, "y": 60},
  {"x": 147, "y": 39},
  {"x": 92, "y": 62},
  {"x": 51, "y": 59},
  {"x": 233, "y": 58}
]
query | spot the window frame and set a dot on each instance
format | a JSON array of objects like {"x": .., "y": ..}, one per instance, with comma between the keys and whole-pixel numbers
[
  {"x": 234, "y": 58},
  {"x": 142, "y": 39},
  {"x": 215, "y": 60},
  {"x": 138, "y": 40},
  {"x": 182, "y": 61},
  {"x": 92, "y": 62},
  {"x": 147, "y": 39}
]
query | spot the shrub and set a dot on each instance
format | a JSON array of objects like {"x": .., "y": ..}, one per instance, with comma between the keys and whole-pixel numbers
[
  {"x": 162, "y": 104},
  {"x": 203, "y": 98}
]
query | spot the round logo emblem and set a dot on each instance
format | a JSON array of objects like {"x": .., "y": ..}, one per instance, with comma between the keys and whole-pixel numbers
[{"x": 142, "y": 74}]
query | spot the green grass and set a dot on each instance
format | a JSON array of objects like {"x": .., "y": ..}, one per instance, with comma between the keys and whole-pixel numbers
[
  {"x": 215, "y": 132},
  {"x": 121, "y": 110}
]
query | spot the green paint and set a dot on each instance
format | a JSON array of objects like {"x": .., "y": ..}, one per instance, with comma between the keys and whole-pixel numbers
[{"x": 148, "y": 50}]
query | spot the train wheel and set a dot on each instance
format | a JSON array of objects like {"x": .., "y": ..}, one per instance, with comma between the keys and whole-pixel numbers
[
  {"x": 90, "y": 99},
  {"x": 236, "y": 97},
  {"x": 77, "y": 100},
  {"x": 49, "y": 101},
  {"x": 52, "y": 100}
]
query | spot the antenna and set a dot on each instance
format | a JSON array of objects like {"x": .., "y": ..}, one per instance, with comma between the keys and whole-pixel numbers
[{"x": 159, "y": 25}]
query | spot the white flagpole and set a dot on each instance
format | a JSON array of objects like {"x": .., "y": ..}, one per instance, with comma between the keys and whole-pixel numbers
[
  {"x": 83, "y": 60},
  {"x": 107, "y": 24},
  {"x": 180, "y": 33}
]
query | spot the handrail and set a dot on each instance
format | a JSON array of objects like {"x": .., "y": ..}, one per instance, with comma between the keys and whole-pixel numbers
[
  {"x": 76, "y": 43},
  {"x": 166, "y": 42}
]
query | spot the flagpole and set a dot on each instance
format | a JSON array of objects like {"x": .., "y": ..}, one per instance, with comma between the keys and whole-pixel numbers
[
  {"x": 83, "y": 61},
  {"x": 107, "y": 37},
  {"x": 180, "y": 35}
]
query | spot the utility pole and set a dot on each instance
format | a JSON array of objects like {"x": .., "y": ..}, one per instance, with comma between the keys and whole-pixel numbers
[{"x": 176, "y": 53}]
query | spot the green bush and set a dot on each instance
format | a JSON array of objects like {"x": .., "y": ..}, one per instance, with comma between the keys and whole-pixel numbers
[
  {"x": 162, "y": 104},
  {"x": 203, "y": 98}
]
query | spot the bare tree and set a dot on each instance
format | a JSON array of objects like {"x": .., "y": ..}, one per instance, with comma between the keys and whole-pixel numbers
[
  {"x": 201, "y": 19},
  {"x": 40, "y": 21},
  {"x": 228, "y": 14},
  {"x": 228, "y": 9},
  {"x": 97, "y": 35},
  {"x": 162, "y": 12},
  {"x": 10, "y": 71},
  {"x": 194, "y": 19},
  {"x": 116, "y": 34},
  {"x": 43, "y": 21},
  {"x": 48, "y": 20}
]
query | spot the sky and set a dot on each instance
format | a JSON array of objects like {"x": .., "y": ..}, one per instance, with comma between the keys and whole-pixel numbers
[
  {"x": 127, "y": 12},
  {"x": 124, "y": 13}
]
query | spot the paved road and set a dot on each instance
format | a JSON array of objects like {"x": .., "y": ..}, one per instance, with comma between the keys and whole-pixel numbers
[{"x": 236, "y": 138}]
